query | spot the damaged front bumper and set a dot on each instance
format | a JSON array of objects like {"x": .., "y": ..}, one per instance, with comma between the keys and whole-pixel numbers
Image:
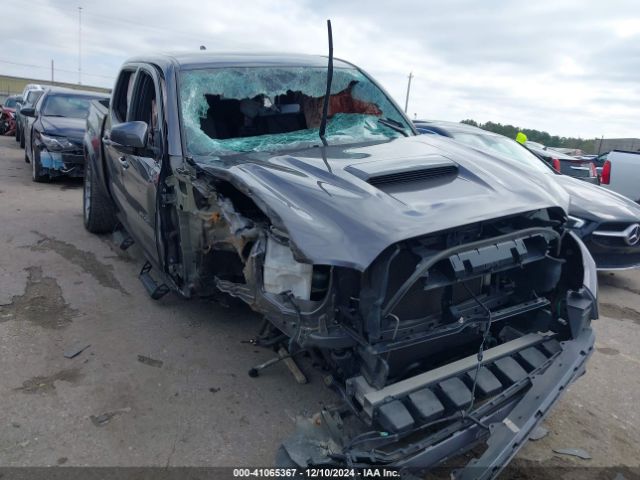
[
  {"x": 503, "y": 423},
  {"x": 70, "y": 163},
  {"x": 508, "y": 434}
]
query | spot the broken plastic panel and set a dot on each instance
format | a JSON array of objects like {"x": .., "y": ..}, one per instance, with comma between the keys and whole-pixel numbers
[
  {"x": 243, "y": 94},
  {"x": 51, "y": 160},
  {"x": 283, "y": 274}
]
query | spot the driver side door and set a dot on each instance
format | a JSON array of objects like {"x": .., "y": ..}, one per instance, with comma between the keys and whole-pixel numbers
[{"x": 141, "y": 168}]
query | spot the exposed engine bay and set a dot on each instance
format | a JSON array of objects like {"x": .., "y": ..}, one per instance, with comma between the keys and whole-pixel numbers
[{"x": 435, "y": 327}]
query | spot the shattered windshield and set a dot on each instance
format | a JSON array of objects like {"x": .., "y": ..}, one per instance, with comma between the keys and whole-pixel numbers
[{"x": 251, "y": 109}]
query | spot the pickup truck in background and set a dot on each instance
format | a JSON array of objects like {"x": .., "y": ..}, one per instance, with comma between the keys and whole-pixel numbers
[
  {"x": 442, "y": 292},
  {"x": 620, "y": 172}
]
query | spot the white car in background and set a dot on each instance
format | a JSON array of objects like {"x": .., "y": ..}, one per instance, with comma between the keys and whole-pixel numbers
[{"x": 28, "y": 99}]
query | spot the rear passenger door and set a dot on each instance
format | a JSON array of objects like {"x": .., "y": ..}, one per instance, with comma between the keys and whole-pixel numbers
[{"x": 140, "y": 177}]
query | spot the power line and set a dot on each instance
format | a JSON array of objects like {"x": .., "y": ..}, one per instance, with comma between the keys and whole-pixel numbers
[
  {"x": 138, "y": 25},
  {"x": 8, "y": 62}
]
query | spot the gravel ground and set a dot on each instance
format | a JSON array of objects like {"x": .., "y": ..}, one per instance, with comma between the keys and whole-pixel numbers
[{"x": 165, "y": 383}]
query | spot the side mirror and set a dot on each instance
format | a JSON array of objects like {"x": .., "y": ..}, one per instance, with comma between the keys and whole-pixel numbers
[
  {"x": 131, "y": 135},
  {"x": 28, "y": 112}
]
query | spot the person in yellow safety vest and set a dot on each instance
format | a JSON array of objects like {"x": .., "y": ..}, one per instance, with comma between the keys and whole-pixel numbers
[{"x": 521, "y": 138}]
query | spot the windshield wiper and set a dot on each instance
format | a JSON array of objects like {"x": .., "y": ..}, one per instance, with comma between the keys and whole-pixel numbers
[{"x": 394, "y": 125}]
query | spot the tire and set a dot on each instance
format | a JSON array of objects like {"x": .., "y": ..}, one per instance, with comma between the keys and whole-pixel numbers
[
  {"x": 99, "y": 212},
  {"x": 37, "y": 174},
  {"x": 21, "y": 139}
]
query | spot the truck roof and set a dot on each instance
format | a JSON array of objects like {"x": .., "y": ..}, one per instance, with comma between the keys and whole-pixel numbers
[
  {"x": 87, "y": 93},
  {"x": 197, "y": 60}
]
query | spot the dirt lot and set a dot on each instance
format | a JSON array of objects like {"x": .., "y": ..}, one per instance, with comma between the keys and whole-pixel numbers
[{"x": 188, "y": 401}]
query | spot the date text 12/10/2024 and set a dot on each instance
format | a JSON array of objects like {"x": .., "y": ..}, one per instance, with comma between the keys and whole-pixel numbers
[{"x": 315, "y": 473}]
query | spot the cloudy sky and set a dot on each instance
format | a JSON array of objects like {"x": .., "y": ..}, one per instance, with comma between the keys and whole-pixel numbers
[{"x": 570, "y": 67}]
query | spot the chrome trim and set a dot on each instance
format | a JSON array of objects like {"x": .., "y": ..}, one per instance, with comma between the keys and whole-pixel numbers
[
  {"x": 631, "y": 234},
  {"x": 618, "y": 269}
]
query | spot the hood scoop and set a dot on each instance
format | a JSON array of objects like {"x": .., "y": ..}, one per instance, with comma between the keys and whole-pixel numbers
[{"x": 403, "y": 170}]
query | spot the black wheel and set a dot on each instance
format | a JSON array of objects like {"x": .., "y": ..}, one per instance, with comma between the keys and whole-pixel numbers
[
  {"x": 17, "y": 134},
  {"x": 99, "y": 211},
  {"x": 21, "y": 139},
  {"x": 37, "y": 174}
]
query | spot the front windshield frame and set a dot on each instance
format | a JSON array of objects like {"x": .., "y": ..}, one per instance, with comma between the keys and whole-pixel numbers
[
  {"x": 398, "y": 114},
  {"x": 527, "y": 158},
  {"x": 46, "y": 102}
]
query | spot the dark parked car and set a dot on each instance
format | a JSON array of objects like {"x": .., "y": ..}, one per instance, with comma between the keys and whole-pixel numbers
[
  {"x": 584, "y": 170},
  {"x": 55, "y": 130},
  {"x": 607, "y": 222},
  {"x": 396, "y": 260}
]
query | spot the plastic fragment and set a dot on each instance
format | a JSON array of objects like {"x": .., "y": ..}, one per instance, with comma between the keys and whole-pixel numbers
[
  {"x": 538, "y": 433},
  {"x": 76, "y": 350},
  {"x": 575, "y": 452}
]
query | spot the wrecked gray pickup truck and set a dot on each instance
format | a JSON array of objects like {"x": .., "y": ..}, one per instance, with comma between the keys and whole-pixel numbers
[{"x": 439, "y": 287}]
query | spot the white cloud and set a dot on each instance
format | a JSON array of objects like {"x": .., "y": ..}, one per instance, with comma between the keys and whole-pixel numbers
[{"x": 558, "y": 66}]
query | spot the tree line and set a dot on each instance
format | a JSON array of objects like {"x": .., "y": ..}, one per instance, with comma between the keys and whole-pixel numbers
[{"x": 586, "y": 145}]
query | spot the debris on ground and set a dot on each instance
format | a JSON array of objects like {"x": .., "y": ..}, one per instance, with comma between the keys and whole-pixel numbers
[
  {"x": 76, "y": 350},
  {"x": 46, "y": 384},
  {"x": 150, "y": 361},
  {"x": 575, "y": 452},
  {"x": 538, "y": 433},
  {"x": 103, "y": 419}
]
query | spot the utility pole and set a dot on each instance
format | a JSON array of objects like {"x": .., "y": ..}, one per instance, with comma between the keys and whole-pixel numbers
[
  {"x": 79, "y": 45},
  {"x": 406, "y": 102}
]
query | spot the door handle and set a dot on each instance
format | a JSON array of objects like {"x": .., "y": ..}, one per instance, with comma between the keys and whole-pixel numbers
[
  {"x": 106, "y": 141},
  {"x": 124, "y": 163}
]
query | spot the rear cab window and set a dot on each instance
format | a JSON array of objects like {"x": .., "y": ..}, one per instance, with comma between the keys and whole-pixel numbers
[
  {"x": 122, "y": 95},
  {"x": 145, "y": 106}
]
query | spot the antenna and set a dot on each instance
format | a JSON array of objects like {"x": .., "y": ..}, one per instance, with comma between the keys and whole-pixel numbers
[
  {"x": 79, "y": 45},
  {"x": 325, "y": 105}
]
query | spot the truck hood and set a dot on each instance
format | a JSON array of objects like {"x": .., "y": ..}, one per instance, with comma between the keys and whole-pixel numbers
[
  {"x": 595, "y": 203},
  {"x": 72, "y": 128},
  {"x": 321, "y": 197}
]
